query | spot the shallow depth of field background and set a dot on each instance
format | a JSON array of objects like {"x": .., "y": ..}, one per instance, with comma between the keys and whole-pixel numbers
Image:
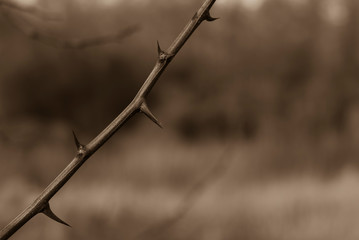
[{"x": 260, "y": 108}]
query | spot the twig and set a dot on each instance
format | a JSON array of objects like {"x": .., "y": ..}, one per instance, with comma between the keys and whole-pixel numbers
[
  {"x": 34, "y": 11},
  {"x": 138, "y": 104},
  {"x": 82, "y": 43}
]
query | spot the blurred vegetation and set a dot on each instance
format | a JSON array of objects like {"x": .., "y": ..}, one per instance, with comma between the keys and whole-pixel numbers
[
  {"x": 286, "y": 71},
  {"x": 278, "y": 83}
]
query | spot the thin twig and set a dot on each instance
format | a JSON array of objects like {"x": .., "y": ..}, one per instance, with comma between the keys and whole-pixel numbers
[
  {"x": 34, "y": 11},
  {"x": 138, "y": 104},
  {"x": 80, "y": 43},
  {"x": 83, "y": 42}
]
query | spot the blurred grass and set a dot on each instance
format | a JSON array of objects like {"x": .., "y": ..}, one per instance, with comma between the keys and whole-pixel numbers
[{"x": 141, "y": 178}]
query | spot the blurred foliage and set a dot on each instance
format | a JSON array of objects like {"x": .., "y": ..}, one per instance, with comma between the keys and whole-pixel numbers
[{"x": 285, "y": 72}]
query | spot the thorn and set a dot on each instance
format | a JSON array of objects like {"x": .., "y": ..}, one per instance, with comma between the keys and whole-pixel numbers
[
  {"x": 162, "y": 55},
  {"x": 47, "y": 211},
  {"x": 77, "y": 142},
  {"x": 144, "y": 109},
  {"x": 209, "y": 18},
  {"x": 159, "y": 50}
]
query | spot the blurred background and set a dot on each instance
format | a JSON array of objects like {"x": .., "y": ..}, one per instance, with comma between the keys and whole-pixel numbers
[{"x": 260, "y": 108}]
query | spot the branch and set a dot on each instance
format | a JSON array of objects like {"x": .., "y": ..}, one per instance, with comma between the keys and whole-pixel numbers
[
  {"x": 81, "y": 43},
  {"x": 137, "y": 105},
  {"x": 52, "y": 41},
  {"x": 34, "y": 11}
]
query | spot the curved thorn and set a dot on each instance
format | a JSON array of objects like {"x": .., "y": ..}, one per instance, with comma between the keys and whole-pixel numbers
[
  {"x": 209, "y": 18},
  {"x": 144, "y": 109},
  {"x": 48, "y": 212},
  {"x": 77, "y": 142}
]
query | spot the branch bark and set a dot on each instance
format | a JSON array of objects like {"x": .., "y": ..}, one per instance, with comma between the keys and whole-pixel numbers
[{"x": 138, "y": 104}]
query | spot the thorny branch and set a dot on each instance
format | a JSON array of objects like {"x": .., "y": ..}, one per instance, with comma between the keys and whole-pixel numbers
[{"x": 138, "y": 104}]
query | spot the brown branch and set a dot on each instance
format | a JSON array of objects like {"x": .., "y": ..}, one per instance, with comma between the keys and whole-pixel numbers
[
  {"x": 32, "y": 10},
  {"x": 82, "y": 43},
  {"x": 138, "y": 104}
]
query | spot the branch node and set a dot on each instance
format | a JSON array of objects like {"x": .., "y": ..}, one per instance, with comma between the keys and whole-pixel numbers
[
  {"x": 144, "y": 109},
  {"x": 163, "y": 56},
  {"x": 80, "y": 147},
  {"x": 195, "y": 16},
  {"x": 48, "y": 212},
  {"x": 159, "y": 50}
]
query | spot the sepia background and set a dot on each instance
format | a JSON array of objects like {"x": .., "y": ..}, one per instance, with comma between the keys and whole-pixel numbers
[{"x": 260, "y": 112}]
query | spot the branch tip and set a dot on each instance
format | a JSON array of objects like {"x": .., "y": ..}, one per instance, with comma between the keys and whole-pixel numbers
[
  {"x": 48, "y": 212},
  {"x": 144, "y": 109}
]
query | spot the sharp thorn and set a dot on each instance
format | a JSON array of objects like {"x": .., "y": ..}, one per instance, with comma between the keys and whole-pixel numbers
[
  {"x": 159, "y": 50},
  {"x": 48, "y": 212},
  {"x": 209, "y": 18},
  {"x": 77, "y": 142},
  {"x": 144, "y": 109}
]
